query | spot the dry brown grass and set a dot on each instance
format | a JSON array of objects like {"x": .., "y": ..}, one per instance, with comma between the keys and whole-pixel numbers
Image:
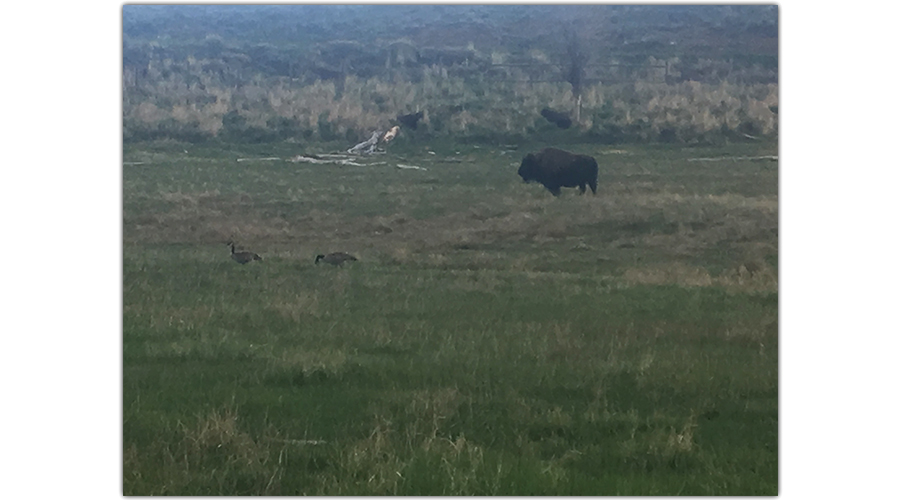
[
  {"x": 410, "y": 424},
  {"x": 676, "y": 273},
  {"x": 212, "y": 456},
  {"x": 662, "y": 443},
  {"x": 373, "y": 461},
  {"x": 329, "y": 361},
  {"x": 303, "y": 304},
  {"x": 747, "y": 225}
]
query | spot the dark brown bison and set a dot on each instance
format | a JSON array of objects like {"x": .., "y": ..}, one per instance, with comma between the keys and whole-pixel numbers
[
  {"x": 555, "y": 168},
  {"x": 561, "y": 120},
  {"x": 411, "y": 120}
]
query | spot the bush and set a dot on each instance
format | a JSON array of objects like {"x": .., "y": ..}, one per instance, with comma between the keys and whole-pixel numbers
[{"x": 688, "y": 112}]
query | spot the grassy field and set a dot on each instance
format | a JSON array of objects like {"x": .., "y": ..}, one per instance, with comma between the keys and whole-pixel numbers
[{"x": 491, "y": 339}]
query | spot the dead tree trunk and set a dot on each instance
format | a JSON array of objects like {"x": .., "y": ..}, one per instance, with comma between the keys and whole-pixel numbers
[
  {"x": 366, "y": 147},
  {"x": 578, "y": 110},
  {"x": 576, "y": 60}
]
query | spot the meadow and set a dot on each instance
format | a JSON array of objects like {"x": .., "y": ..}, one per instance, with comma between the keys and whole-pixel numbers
[{"x": 490, "y": 340}]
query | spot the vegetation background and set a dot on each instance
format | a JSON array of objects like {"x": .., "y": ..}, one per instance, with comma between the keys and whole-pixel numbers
[{"x": 682, "y": 74}]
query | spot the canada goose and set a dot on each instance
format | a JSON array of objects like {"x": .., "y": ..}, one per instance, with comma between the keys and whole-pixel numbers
[
  {"x": 336, "y": 258},
  {"x": 242, "y": 257}
]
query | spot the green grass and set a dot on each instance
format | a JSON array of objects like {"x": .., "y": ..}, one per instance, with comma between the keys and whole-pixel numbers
[{"x": 492, "y": 339}]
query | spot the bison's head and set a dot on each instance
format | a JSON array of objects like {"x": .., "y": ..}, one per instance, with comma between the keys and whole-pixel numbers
[{"x": 528, "y": 170}]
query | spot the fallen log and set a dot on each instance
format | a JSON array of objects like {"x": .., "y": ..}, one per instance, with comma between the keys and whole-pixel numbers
[
  {"x": 366, "y": 147},
  {"x": 299, "y": 442},
  {"x": 410, "y": 167},
  {"x": 736, "y": 158},
  {"x": 319, "y": 161},
  {"x": 332, "y": 156},
  {"x": 271, "y": 158}
]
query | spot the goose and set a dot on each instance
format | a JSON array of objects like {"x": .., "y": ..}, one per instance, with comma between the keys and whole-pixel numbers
[
  {"x": 242, "y": 257},
  {"x": 336, "y": 258}
]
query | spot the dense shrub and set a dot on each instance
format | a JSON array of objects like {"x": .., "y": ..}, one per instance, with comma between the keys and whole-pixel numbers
[{"x": 267, "y": 110}]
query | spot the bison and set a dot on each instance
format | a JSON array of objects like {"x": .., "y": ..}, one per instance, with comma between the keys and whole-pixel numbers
[
  {"x": 561, "y": 120},
  {"x": 555, "y": 168},
  {"x": 411, "y": 120}
]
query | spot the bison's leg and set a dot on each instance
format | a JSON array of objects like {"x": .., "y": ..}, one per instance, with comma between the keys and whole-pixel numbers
[
  {"x": 582, "y": 187},
  {"x": 554, "y": 190},
  {"x": 593, "y": 184}
]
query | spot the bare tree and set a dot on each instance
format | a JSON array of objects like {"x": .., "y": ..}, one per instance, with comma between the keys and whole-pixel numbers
[{"x": 573, "y": 68}]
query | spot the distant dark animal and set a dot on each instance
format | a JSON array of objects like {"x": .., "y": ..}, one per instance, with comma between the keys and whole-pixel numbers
[
  {"x": 335, "y": 259},
  {"x": 555, "y": 168},
  {"x": 411, "y": 120},
  {"x": 752, "y": 267},
  {"x": 242, "y": 257},
  {"x": 561, "y": 120}
]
